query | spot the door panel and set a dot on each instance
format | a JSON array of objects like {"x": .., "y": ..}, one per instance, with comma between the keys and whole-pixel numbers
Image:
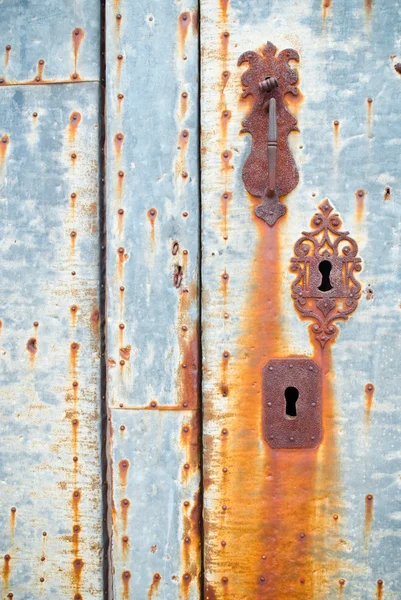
[
  {"x": 44, "y": 41},
  {"x": 50, "y": 471},
  {"x": 152, "y": 296},
  {"x": 313, "y": 523}
]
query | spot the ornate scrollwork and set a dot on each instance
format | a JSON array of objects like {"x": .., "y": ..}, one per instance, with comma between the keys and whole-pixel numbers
[
  {"x": 325, "y": 263},
  {"x": 269, "y": 75}
]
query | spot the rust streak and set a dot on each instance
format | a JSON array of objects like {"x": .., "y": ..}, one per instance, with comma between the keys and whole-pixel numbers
[
  {"x": 368, "y": 516},
  {"x": 126, "y": 576},
  {"x": 379, "y": 589},
  {"x": 75, "y": 119},
  {"x": 154, "y": 585},
  {"x": 326, "y": 8},
  {"x": 77, "y": 37},
  {"x": 123, "y": 467},
  {"x": 13, "y": 517},
  {"x": 184, "y": 21},
  {"x": 4, "y": 144},
  {"x": 224, "y": 4},
  {"x": 360, "y": 205},
  {"x": 6, "y": 571},
  {"x": 369, "y": 392}
]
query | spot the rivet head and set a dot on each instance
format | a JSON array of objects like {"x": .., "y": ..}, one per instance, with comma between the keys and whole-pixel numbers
[
  {"x": 223, "y": 543},
  {"x": 186, "y": 466},
  {"x": 224, "y": 579},
  {"x": 341, "y": 581},
  {"x": 121, "y": 326},
  {"x": 120, "y": 96},
  {"x": 380, "y": 582},
  {"x": 118, "y": 16},
  {"x": 122, "y": 427},
  {"x": 186, "y": 503},
  {"x": 369, "y": 497}
]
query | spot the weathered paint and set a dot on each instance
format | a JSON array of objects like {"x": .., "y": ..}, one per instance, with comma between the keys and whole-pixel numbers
[
  {"x": 152, "y": 326},
  {"x": 50, "y": 473},
  {"x": 300, "y": 524},
  {"x": 42, "y": 41}
]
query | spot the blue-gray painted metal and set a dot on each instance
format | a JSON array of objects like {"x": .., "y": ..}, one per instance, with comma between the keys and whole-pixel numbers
[
  {"x": 156, "y": 521},
  {"x": 45, "y": 30},
  {"x": 152, "y": 289},
  {"x": 44, "y": 273},
  {"x": 348, "y": 52}
]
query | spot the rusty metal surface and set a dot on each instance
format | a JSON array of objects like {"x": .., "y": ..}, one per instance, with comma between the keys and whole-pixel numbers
[
  {"x": 304, "y": 428},
  {"x": 306, "y": 524},
  {"x": 43, "y": 41},
  {"x": 50, "y": 476},
  {"x": 152, "y": 293},
  {"x": 157, "y": 511},
  {"x": 152, "y": 203},
  {"x": 257, "y": 167},
  {"x": 329, "y": 295}
]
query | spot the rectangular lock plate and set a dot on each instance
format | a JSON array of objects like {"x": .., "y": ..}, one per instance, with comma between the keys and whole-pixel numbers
[{"x": 292, "y": 403}]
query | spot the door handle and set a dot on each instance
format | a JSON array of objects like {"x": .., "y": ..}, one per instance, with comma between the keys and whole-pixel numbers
[{"x": 272, "y": 147}]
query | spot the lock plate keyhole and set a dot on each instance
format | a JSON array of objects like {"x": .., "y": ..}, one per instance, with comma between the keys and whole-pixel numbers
[
  {"x": 325, "y": 268},
  {"x": 291, "y": 396}
]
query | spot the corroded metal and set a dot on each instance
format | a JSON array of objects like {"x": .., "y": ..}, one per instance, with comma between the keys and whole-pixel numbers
[
  {"x": 152, "y": 325},
  {"x": 302, "y": 426},
  {"x": 326, "y": 263},
  {"x": 269, "y": 76}
]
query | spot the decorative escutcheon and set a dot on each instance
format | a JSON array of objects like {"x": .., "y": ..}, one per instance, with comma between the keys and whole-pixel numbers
[
  {"x": 325, "y": 288},
  {"x": 292, "y": 403},
  {"x": 269, "y": 171}
]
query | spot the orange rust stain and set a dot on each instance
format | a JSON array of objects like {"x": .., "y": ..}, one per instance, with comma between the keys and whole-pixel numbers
[
  {"x": 225, "y": 76},
  {"x": 76, "y": 530},
  {"x": 224, "y": 44},
  {"x": 77, "y": 565},
  {"x": 75, "y": 119},
  {"x": 74, "y": 349},
  {"x": 95, "y": 320},
  {"x": 123, "y": 467},
  {"x": 368, "y": 7},
  {"x": 286, "y": 532},
  {"x": 73, "y": 312},
  {"x": 184, "y": 21},
  {"x": 195, "y": 22},
  {"x": 152, "y": 214},
  {"x": 210, "y": 592},
  {"x": 32, "y": 347},
  {"x": 74, "y": 435},
  {"x": 379, "y": 590},
  {"x": 6, "y": 571},
  {"x": 118, "y": 143},
  {"x": 120, "y": 224},
  {"x": 125, "y": 545},
  {"x": 126, "y": 576},
  {"x": 4, "y": 143},
  {"x": 369, "y": 392},
  {"x": 368, "y": 516},
  {"x": 13, "y": 517},
  {"x": 76, "y": 499},
  {"x": 125, "y": 352},
  {"x": 125, "y": 504},
  {"x": 326, "y": 7},
  {"x": 224, "y": 4},
  {"x": 226, "y": 156},
  {"x": 185, "y": 585},
  {"x": 188, "y": 388},
  {"x": 183, "y": 104},
  {"x": 154, "y": 585},
  {"x": 120, "y": 182},
  {"x": 336, "y": 124},
  {"x": 294, "y": 101},
  {"x": 225, "y": 118},
  {"x": 77, "y": 37},
  {"x": 360, "y": 205},
  {"x": 122, "y": 257},
  {"x": 7, "y": 56},
  {"x": 73, "y": 198}
]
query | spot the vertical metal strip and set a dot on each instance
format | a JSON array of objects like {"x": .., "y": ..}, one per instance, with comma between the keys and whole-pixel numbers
[{"x": 152, "y": 197}]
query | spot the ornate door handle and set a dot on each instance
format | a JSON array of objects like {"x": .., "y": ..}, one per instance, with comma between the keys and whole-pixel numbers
[
  {"x": 272, "y": 147},
  {"x": 265, "y": 174}
]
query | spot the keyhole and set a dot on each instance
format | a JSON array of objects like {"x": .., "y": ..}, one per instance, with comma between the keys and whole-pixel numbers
[
  {"x": 291, "y": 397},
  {"x": 325, "y": 267}
]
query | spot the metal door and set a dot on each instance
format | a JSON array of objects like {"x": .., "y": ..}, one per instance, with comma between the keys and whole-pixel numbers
[
  {"x": 294, "y": 522},
  {"x": 200, "y": 308}
]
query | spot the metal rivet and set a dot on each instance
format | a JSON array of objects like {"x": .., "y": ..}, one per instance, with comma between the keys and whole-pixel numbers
[
  {"x": 302, "y": 535},
  {"x": 35, "y": 114},
  {"x": 121, "y": 173},
  {"x": 224, "y": 507},
  {"x": 184, "y": 174},
  {"x": 187, "y": 540},
  {"x": 225, "y": 469},
  {"x": 262, "y": 579},
  {"x": 341, "y": 581},
  {"x": 336, "y": 122},
  {"x": 120, "y": 57},
  {"x": 121, "y": 250},
  {"x": 223, "y": 543},
  {"x": 122, "y": 362},
  {"x": 369, "y": 497},
  {"x": 184, "y": 94},
  {"x": 224, "y": 431},
  {"x": 335, "y": 517},
  {"x": 118, "y": 16},
  {"x": 75, "y": 459},
  {"x": 291, "y": 439},
  {"x": 185, "y": 404},
  {"x": 224, "y": 579},
  {"x": 185, "y": 214},
  {"x": 121, "y": 96},
  {"x": 121, "y": 325},
  {"x": 269, "y": 404},
  {"x": 122, "y": 427},
  {"x": 186, "y": 503},
  {"x": 73, "y": 155},
  {"x": 186, "y": 466},
  {"x": 120, "y": 211},
  {"x": 122, "y": 288},
  {"x": 380, "y": 582}
]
